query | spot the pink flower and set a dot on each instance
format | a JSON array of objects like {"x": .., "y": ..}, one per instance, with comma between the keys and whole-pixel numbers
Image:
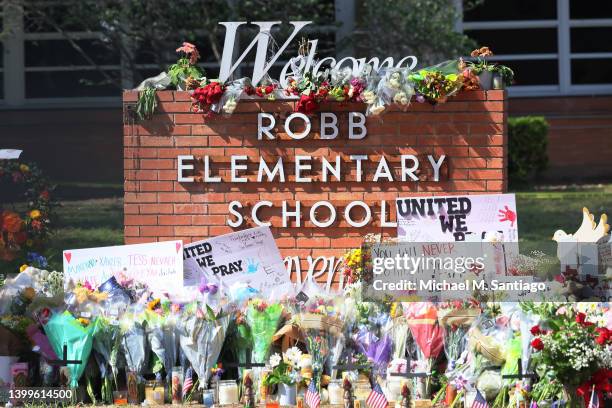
[{"x": 191, "y": 51}]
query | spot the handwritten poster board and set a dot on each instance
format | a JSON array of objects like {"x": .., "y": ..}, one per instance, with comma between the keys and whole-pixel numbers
[
  {"x": 157, "y": 264},
  {"x": 457, "y": 218},
  {"x": 249, "y": 256}
]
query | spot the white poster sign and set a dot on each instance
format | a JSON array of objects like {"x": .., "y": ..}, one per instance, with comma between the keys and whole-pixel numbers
[
  {"x": 9, "y": 154},
  {"x": 457, "y": 218},
  {"x": 250, "y": 257},
  {"x": 159, "y": 265}
]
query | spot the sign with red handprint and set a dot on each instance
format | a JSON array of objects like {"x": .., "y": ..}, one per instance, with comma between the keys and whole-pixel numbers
[{"x": 486, "y": 217}]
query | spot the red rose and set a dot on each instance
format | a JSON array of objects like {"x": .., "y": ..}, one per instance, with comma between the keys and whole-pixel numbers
[
  {"x": 269, "y": 89},
  {"x": 37, "y": 225},
  {"x": 45, "y": 195},
  {"x": 535, "y": 330},
  {"x": 307, "y": 104},
  {"x": 604, "y": 335},
  {"x": 537, "y": 343},
  {"x": 580, "y": 318}
]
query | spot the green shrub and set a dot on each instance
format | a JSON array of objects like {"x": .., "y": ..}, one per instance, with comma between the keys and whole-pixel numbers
[{"x": 527, "y": 142}]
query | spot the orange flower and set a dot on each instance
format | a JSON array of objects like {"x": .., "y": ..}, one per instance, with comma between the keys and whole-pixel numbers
[
  {"x": 11, "y": 222},
  {"x": 29, "y": 293}
]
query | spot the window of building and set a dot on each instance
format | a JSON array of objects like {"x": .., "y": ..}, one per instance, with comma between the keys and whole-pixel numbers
[{"x": 556, "y": 47}]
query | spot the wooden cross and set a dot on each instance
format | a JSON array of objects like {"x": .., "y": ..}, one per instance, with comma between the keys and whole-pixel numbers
[
  {"x": 409, "y": 374},
  {"x": 520, "y": 374},
  {"x": 247, "y": 364},
  {"x": 64, "y": 361}
]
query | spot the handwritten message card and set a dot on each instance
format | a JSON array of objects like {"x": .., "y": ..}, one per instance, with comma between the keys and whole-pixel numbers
[
  {"x": 158, "y": 264},
  {"x": 249, "y": 256}
]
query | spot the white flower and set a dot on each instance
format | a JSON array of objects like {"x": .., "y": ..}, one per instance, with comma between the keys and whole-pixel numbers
[
  {"x": 378, "y": 109},
  {"x": 275, "y": 359},
  {"x": 401, "y": 98},
  {"x": 230, "y": 106},
  {"x": 293, "y": 355},
  {"x": 369, "y": 97},
  {"x": 394, "y": 80}
]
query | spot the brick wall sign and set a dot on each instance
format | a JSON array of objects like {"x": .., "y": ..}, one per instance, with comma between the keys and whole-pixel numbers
[{"x": 321, "y": 182}]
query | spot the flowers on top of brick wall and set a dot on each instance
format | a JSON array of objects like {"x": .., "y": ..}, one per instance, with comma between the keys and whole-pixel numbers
[{"x": 377, "y": 87}]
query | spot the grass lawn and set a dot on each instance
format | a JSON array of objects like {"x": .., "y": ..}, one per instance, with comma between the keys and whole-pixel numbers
[{"x": 99, "y": 221}]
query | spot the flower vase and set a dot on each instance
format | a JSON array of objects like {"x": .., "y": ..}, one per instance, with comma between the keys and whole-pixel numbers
[
  {"x": 486, "y": 80},
  {"x": 572, "y": 399},
  {"x": 498, "y": 82},
  {"x": 287, "y": 394}
]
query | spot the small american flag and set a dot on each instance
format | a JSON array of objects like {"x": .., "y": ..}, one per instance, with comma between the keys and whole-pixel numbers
[
  {"x": 594, "y": 401},
  {"x": 377, "y": 398},
  {"x": 188, "y": 381},
  {"x": 480, "y": 401},
  {"x": 312, "y": 397}
]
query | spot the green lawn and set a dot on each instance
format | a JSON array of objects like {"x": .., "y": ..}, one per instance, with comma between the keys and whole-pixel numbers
[{"x": 99, "y": 221}]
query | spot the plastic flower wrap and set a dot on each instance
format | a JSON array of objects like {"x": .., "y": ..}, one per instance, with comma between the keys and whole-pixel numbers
[
  {"x": 428, "y": 335},
  {"x": 106, "y": 343},
  {"x": 456, "y": 318},
  {"x": 263, "y": 320},
  {"x": 399, "y": 331},
  {"x": 201, "y": 336},
  {"x": 162, "y": 337},
  {"x": 134, "y": 339},
  {"x": 77, "y": 335},
  {"x": 438, "y": 82},
  {"x": 394, "y": 87}
]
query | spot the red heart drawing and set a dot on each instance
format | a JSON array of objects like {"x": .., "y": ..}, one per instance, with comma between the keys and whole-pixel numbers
[
  {"x": 178, "y": 247},
  {"x": 68, "y": 256}
]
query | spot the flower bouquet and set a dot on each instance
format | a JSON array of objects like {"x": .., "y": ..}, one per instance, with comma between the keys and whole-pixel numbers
[
  {"x": 201, "y": 336},
  {"x": 106, "y": 344},
  {"x": 568, "y": 347},
  {"x": 428, "y": 334},
  {"x": 63, "y": 330},
  {"x": 437, "y": 83}
]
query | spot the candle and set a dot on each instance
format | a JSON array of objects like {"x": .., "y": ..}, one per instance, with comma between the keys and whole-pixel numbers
[
  {"x": 154, "y": 393},
  {"x": 177, "y": 385},
  {"x": 336, "y": 393},
  {"x": 120, "y": 397},
  {"x": 228, "y": 392}
]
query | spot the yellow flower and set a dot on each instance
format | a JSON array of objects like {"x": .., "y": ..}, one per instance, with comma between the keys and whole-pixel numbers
[
  {"x": 83, "y": 321},
  {"x": 35, "y": 214},
  {"x": 23, "y": 267},
  {"x": 153, "y": 304},
  {"x": 24, "y": 168}
]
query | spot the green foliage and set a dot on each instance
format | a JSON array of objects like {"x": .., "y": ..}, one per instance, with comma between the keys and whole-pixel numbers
[
  {"x": 182, "y": 70},
  {"x": 147, "y": 103},
  {"x": 527, "y": 142},
  {"x": 424, "y": 28}
]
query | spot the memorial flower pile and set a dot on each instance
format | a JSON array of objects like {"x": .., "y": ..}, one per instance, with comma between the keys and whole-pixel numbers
[{"x": 378, "y": 89}]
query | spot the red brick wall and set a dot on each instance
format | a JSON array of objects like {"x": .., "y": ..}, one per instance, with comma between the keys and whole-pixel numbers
[
  {"x": 470, "y": 130},
  {"x": 580, "y": 135}
]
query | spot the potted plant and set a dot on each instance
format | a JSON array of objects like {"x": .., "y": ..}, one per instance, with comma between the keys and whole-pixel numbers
[
  {"x": 185, "y": 72},
  {"x": 490, "y": 75},
  {"x": 284, "y": 375},
  {"x": 502, "y": 76}
]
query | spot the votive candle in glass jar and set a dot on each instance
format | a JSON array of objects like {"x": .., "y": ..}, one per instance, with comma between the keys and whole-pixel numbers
[
  {"x": 336, "y": 392},
  {"x": 228, "y": 392},
  {"x": 177, "y": 385},
  {"x": 362, "y": 389},
  {"x": 155, "y": 393}
]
